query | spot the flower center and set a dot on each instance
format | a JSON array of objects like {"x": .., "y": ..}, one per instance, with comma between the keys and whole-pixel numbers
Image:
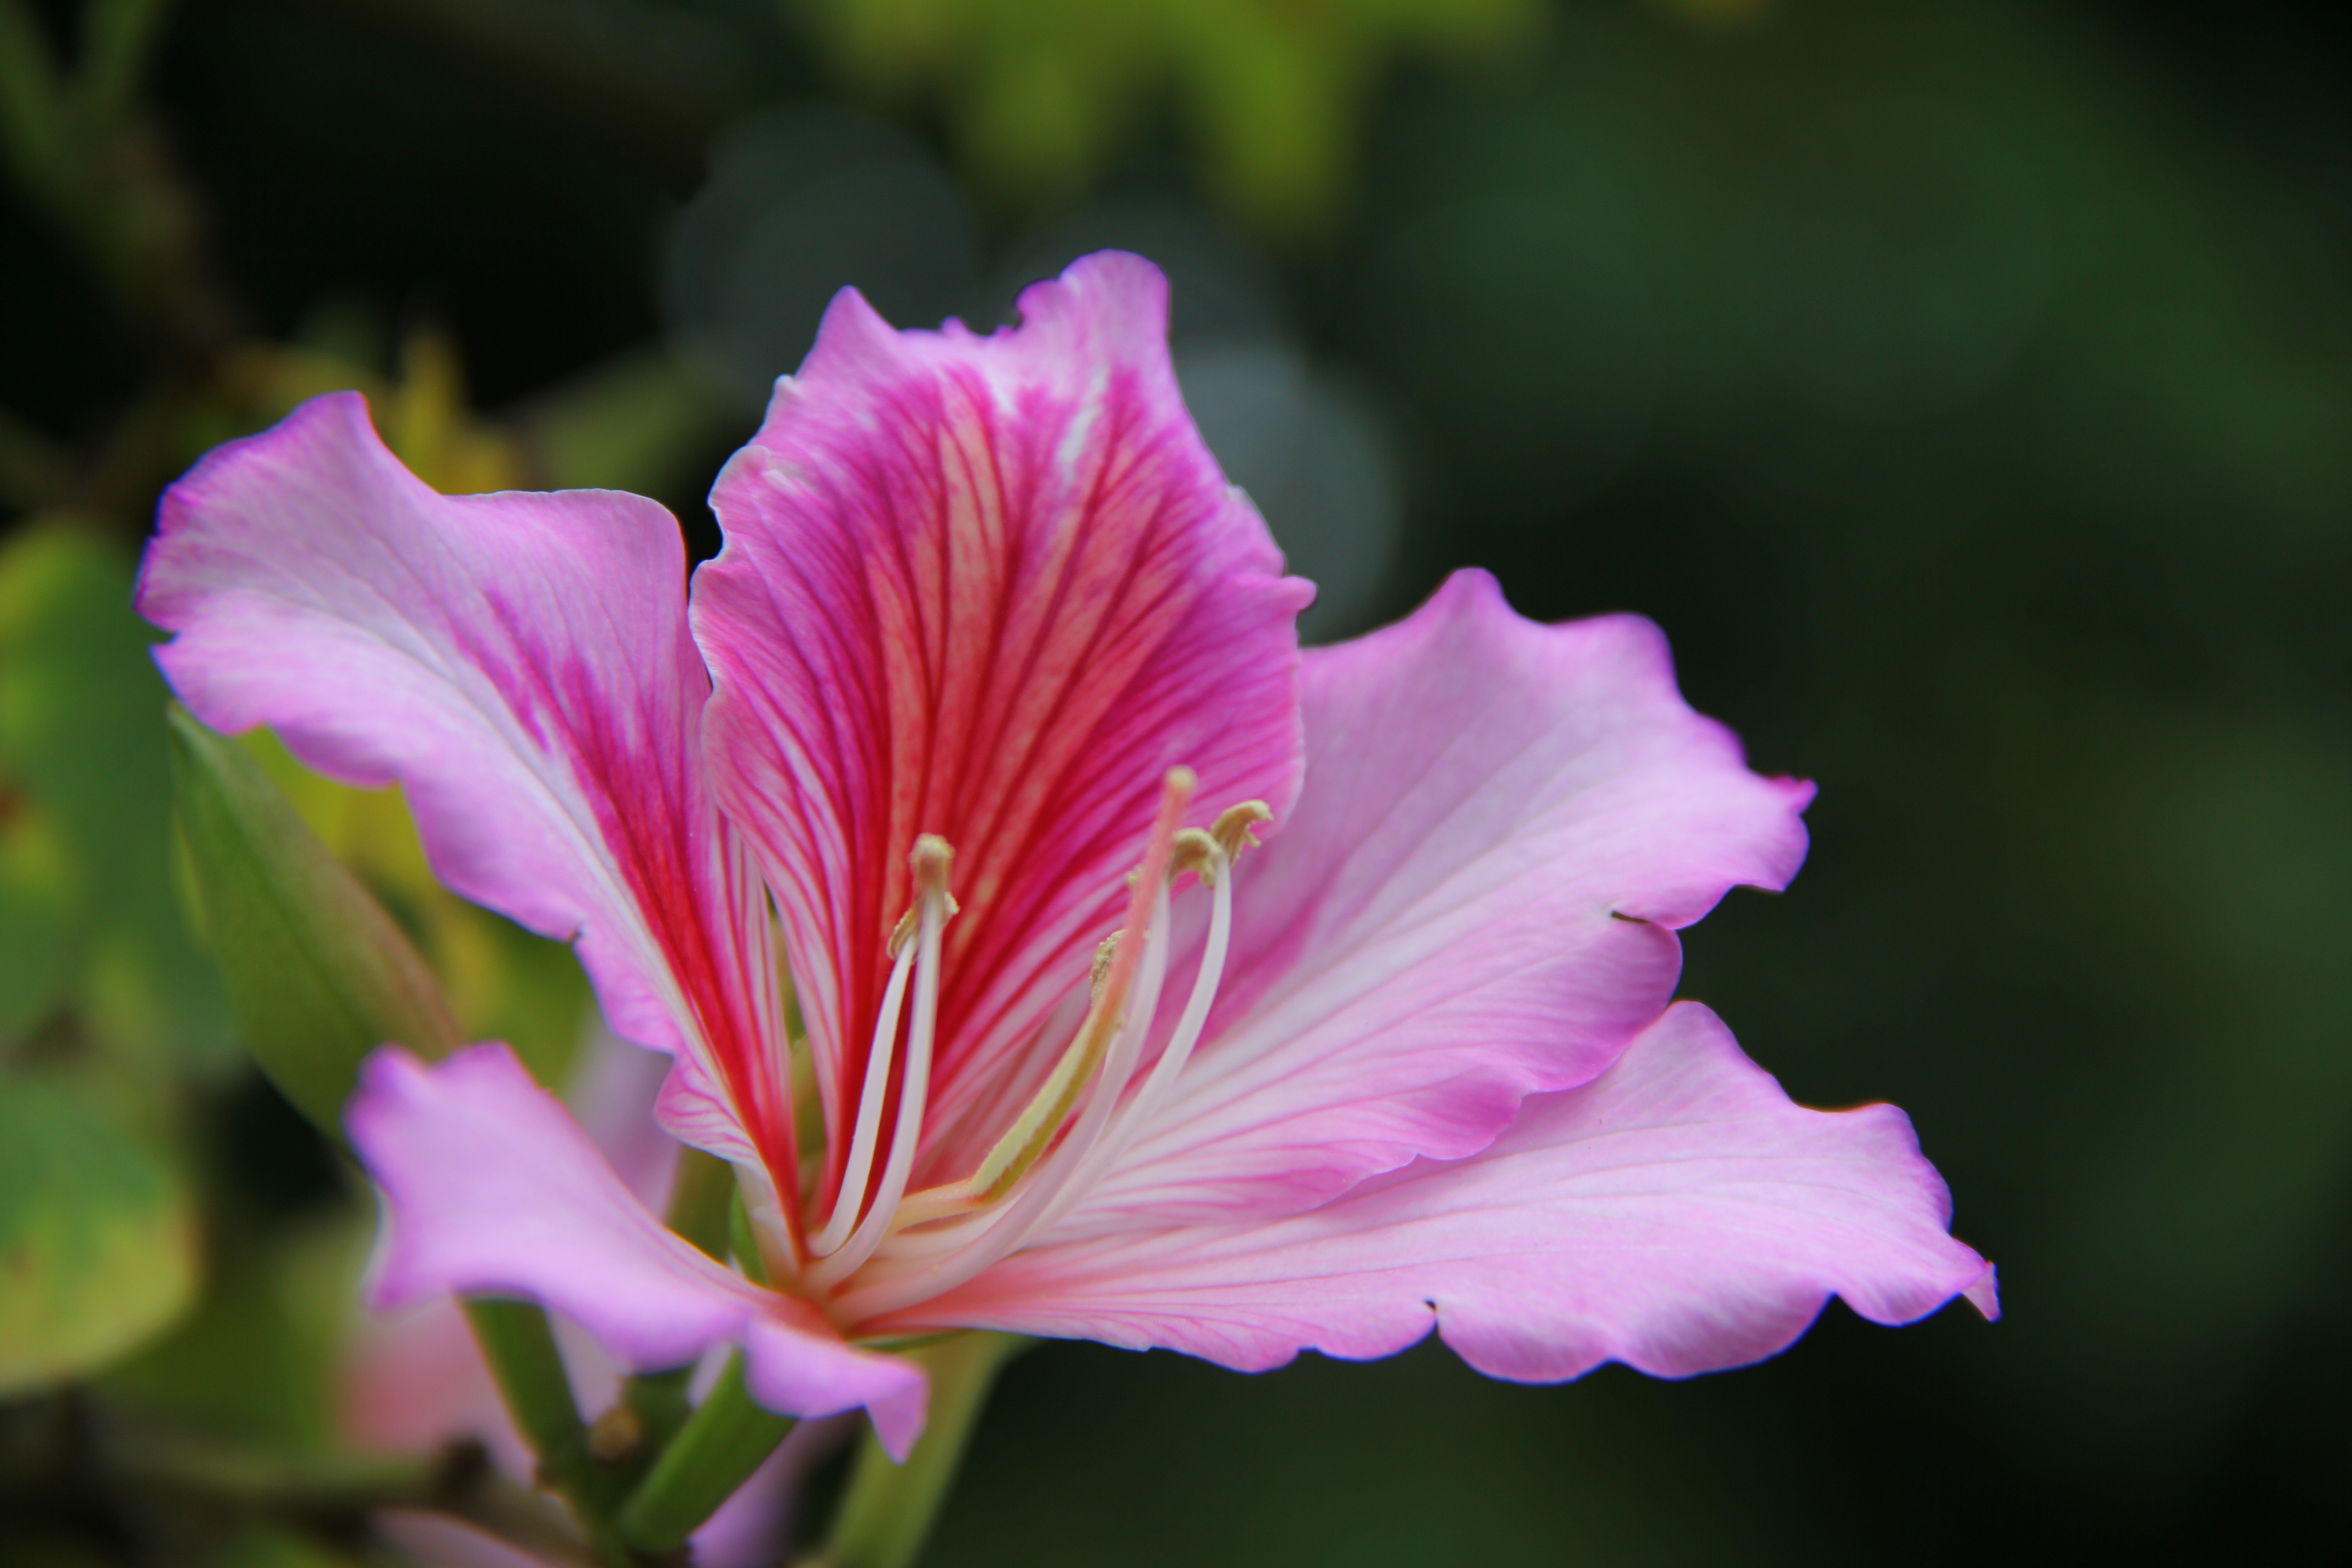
[{"x": 1080, "y": 1118}]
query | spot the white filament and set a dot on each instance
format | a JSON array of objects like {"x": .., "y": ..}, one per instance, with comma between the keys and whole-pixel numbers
[
  {"x": 913, "y": 1093},
  {"x": 851, "y": 1197},
  {"x": 1136, "y": 1114},
  {"x": 973, "y": 1243}
]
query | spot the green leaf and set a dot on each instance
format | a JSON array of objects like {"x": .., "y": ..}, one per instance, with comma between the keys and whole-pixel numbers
[
  {"x": 37, "y": 895},
  {"x": 258, "y": 1359},
  {"x": 119, "y": 38},
  {"x": 85, "y": 814},
  {"x": 98, "y": 1243},
  {"x": 32, "y": 118},
  {"x": 317, "y": 974}
]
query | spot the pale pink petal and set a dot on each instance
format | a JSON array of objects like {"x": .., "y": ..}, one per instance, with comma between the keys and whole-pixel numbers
[
  {"x": 1678, "y": 1214},
  {"x": 490, "y": 1188},
  {"x": 412, "y": 1381},
  {"x": 521, "y": 664},
  {"x": 1501, "y": 825},
  {"x": 989, "y": 588}
]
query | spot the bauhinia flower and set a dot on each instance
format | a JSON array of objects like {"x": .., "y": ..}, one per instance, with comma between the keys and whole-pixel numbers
[{"x": 979, "y": 717}]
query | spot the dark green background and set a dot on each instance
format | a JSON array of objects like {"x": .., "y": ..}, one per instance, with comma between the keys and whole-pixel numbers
[{"x": 1967, "y": 389}]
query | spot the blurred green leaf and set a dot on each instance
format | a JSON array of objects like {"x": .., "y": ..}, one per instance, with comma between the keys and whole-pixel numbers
[
  {"x": 98, "y": 1242},
  {"x": 36, "y": 898},
  {"x": 1040, "y": 92},
  {"x": 85, "y": 812},
  {"x": 257, "y": 1357},
  {"x": 119, "y": 37},
  {"x": 317, "y": 974},
  {"x": 502, "y": 982},
  {"x": 268, "y": 1546},
  {"x": 32, "y": 124},
  {"x": 632, "y": 424}
]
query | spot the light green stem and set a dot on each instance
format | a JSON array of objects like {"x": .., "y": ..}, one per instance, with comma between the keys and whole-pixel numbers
[
  {"x": 519, "y": 1344},
  {"x": 888, "y": 1513},
  {"x": 726, "y": 1438},
  {"x": 703, "y": 1196}
]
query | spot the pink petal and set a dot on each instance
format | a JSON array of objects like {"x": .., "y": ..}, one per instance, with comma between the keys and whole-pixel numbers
[
  {"x": 490, "y": 1188},
  {"x": 1501, "y": 825},
  {"x": 989, "y": 588},
  {"x": 521, "y": 664},
  {"x": 1678, "y": 1214}
]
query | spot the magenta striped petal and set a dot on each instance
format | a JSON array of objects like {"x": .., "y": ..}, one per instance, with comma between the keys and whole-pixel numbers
[
  {"x": 521, "y": 664},
  {"x": 991, "y": 589}
]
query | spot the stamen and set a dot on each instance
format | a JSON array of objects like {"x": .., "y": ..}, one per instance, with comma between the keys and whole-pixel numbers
[
  {"x": 1195, "y": 852},
  {"x": 1114, "y": 972},
  {"x": 1231, "y": 828},
  {"x": 1137, "y": 1113},
  {"x": 997, "y": 1228},
  {"x": 930, "y": 860},
  {"x": 876, "y": 1088},
  {"x": 916, "y": 1266}
]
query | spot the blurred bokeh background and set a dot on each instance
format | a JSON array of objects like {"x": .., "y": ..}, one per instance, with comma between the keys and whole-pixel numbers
[{"x": 1965, "y": 385}]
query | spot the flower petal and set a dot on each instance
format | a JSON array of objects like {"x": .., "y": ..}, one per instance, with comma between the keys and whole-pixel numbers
[
  {"x": 989, "y": 588},
  {"x": 521, "y": 664},
  {"x": 1502, "y": 826},
  {"x": 1678, "y": 1214},
  {"x": 492, "y": 1188}
]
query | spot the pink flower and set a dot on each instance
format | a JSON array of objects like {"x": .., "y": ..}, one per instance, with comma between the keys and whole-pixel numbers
[{"x": 990, "y": 633}]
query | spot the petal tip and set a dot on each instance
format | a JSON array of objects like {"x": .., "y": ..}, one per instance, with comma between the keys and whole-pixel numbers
[{"x": 1984, "y": 1294}]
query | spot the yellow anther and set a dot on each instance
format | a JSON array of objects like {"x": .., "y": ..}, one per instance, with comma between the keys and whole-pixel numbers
[
  {"x": 1116, "y": 963},
  {"x": 930, "y": 858},
  {"x": 1231, "y": 828},
  {"x": 1195, "y": 852}
]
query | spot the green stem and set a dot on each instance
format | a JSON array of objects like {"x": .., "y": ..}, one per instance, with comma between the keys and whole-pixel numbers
[
  {"x": 519, "y": 1344},
  {"x": 702, "y": 1195},
  {"x": 726, "y": 1438},
  {"x": 888, "y": 1513}
]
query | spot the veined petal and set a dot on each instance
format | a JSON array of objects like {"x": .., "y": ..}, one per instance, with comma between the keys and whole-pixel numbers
[
  {"x": 992, "y": 589},
  {"x": 521, "y": 664},
  {"x": 490, "y": 1187},
  {"x": 1678, "y": 1214},
  {"x": 1503, "y": 824}
]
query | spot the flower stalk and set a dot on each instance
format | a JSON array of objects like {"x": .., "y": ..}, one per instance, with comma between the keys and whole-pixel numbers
[
  {"x": 889, "y": 1509},
  {"x": 726, "y": 1438}
]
